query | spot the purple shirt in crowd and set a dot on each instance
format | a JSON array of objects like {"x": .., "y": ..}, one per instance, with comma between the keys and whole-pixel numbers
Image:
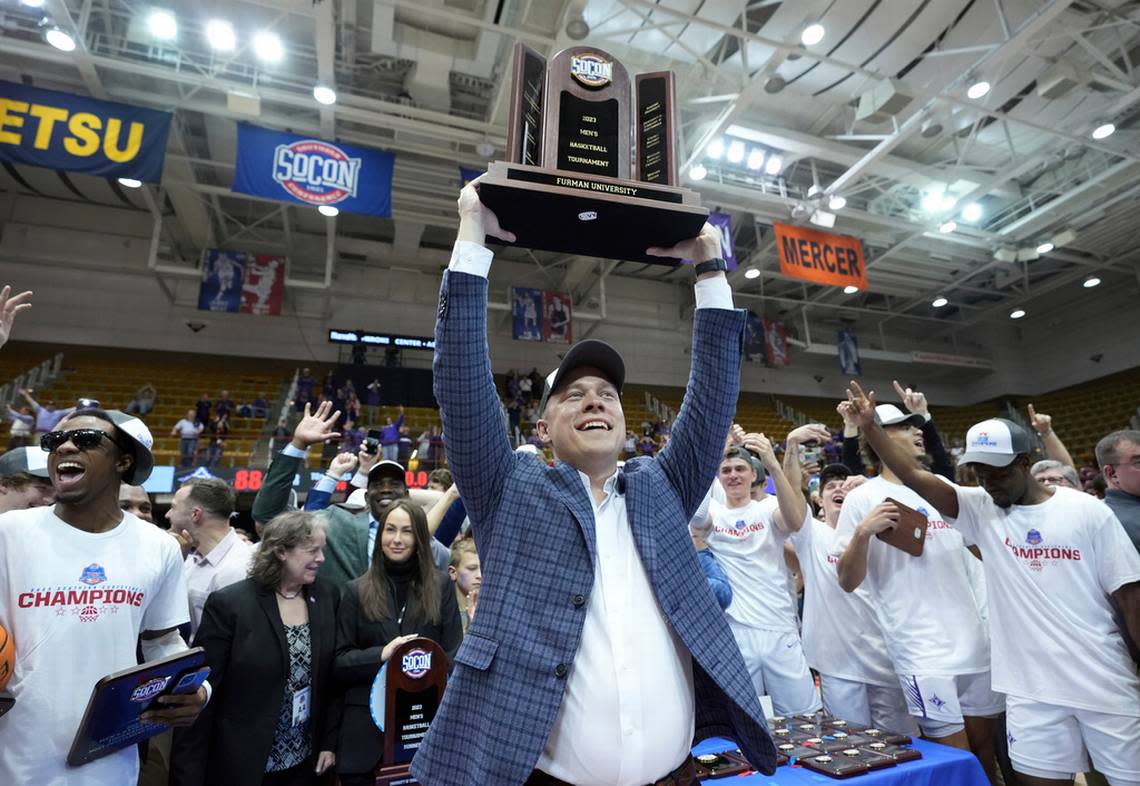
[
  {"x": 390, "y": 435},
  {"x": 46, "y": 421}
]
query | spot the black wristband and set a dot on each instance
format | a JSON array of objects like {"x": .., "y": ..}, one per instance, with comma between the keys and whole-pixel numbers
[{"x": 711, "y": 266}]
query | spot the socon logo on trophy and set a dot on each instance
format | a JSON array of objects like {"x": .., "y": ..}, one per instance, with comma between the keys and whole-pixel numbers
[{"x": 592, "y": 70}]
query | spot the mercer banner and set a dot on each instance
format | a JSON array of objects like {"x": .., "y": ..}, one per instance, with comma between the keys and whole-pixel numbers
[
  {"x": 63, "y": 131},
  {"x": 821, "y": 257},
  {"x": 313, "y": 172}
]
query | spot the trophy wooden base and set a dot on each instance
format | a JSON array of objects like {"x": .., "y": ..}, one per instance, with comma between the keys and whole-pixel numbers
[
  {"x": 395, "y": 775},
  {"x": 574, "y": 213}
]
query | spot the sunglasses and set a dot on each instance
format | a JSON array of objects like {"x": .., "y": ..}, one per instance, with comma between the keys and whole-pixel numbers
[{"x": 82, "y": 438}]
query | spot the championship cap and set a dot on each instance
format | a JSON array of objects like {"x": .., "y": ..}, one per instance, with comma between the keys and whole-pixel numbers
[
  {"x": 590, "y": 352},
  {"x": 996, "y": 442},
  {"x": 388, "y": 469},
  {"x": 890, "y": 415},
  {"x": 141, "y": 440},
  {"x": 27, "y": 461}
]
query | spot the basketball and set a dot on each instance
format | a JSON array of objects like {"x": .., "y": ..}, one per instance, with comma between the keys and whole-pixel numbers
[{"x": 7, "y": 657}]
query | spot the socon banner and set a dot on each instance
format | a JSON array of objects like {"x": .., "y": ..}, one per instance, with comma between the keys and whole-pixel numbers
[{"x": 313, "y": 172}]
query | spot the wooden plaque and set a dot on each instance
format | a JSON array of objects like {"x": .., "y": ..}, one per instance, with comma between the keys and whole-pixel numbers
[{"x": 417, "y": 676}]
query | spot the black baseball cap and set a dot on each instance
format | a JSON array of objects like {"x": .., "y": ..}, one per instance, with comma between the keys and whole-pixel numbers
[
  {"x": 833, "y": 472},
  {"x": 388, "y": 469},
  {"x": 590, "y": 352}
]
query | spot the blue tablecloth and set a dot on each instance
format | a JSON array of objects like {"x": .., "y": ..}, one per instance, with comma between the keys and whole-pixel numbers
[{"x": 940, "y": 765}]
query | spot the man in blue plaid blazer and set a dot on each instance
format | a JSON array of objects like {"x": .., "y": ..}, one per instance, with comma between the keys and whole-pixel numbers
[{"x": 598, "y": 653}]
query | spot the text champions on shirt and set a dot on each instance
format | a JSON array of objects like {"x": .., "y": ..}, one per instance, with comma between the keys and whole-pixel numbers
[{"x": 85, "y": 597}]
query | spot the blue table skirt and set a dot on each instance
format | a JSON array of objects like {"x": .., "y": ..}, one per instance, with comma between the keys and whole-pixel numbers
[{"x": 940, "y": 765}]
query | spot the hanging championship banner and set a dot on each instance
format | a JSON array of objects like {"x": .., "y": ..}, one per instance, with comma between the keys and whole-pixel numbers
[
  {"x": 526, "y": 314},
  {"x": 57, "y": 130},
  {"x": 849, "y": 353},
  {"x": 820, "y": 257},
  {"x": 239, "y": 282},
  {"x": 776, "y": 343},
  {"x": 466, "y": 175},
  {"x": 313, "y": 172},
  {"x": 723, "y": 224},
  {"x": 557, "y": 326}
]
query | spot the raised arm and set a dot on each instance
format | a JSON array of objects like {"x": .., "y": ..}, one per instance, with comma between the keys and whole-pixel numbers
[
  {"x": 926, "y": 484},
  {"x": 478, "y": 448},
  {"x": 691, "y": 457},
  {"x": 852, "y": 458},
  {"x": 10, "y": 306},
  {"x": 1054, "y": 447},
  {"x": 915, "y": 403},
  {"x": 314, "y": 429},
  {"x": 789, "y": 498}
]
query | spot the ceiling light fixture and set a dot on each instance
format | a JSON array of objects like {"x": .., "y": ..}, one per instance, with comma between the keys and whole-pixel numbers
[
  {"x": 939, "y": 302},
  {"x": 752, "y": 273},
  {"x": 850, "y": 289},
  {"x": 32, "y": 3},
  {"x": 774, "y": 165},
  {"x": 836, "y": 202},
  {"x": 1103, "y": 131},
  {"x": 577, "y": 27},
  {"x": 1017, "y": 313},
  {"x": 812, "y": 34},
  {"x": 932, "y": 200},
  {"x": 1045, "y": 247},
  {"x": 220, "y": 35},
  {"x": 1091, "y": 282},
  {"x": 162, "y": 25},
  {"x": 697, "y": 172},
  {"x": 822, "y": 218},
  {"x": 329, "y": 211},
  {"x": 947, "y": 202},
  {"x": 324, "y": 95},
  {"x": 756, "y": 158},
  {"x": 129, "y": 182},
  {"x": 715, "y": 149},
  {"x": 267, "y": 47},
  {"x": 948, "y": 227},
  {"x": 736, "y": 151},
  {"x": 972, "y": 212},
  {"x": 486, "y": 148},
  {"x": 59, "y": 39},
  {"x": 977, "y": 90}
]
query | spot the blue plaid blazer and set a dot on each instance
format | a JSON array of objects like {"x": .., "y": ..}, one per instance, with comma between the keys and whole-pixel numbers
[{"x": 534, "y": 529}]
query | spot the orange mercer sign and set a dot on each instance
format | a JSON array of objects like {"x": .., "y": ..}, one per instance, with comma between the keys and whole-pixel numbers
[{"x": 821, "y": 257}]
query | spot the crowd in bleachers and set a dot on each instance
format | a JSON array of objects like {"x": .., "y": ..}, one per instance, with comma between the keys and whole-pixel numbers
[{"x": 860, "y": 548}]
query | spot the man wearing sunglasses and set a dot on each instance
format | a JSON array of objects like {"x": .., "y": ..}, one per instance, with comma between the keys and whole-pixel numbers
[{"x": 80, "y": 583}]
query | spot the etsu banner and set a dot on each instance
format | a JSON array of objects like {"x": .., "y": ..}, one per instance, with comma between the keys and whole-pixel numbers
[
  {"x": 821, "y": 257},
  {"x": 313, "y": 172},
  {"x": 63, "y": 131}
]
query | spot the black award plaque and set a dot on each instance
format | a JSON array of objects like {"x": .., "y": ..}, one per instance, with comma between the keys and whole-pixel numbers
[
  {"x": 416, "y": 677},
  {"x": 592, "y": 164}
]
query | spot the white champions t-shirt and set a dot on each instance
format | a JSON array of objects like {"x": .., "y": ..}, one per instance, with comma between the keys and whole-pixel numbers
[
  {"x": 1050, "y": 569},
  {"x": 74, "y": 604},
  {"x": 748, "y": 546},
  {"x": 925, "y": 604},
  {"x": 841, "y": 633}
]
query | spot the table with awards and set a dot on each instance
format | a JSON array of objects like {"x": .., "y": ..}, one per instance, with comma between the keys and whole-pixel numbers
[{"x": 817, "y": 748}]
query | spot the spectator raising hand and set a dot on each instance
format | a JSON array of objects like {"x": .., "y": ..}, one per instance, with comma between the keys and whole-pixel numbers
[
  {"x": 1054, "y": 447},
  {"x": 10, "y": 306},
  {"x": 316, "y": 427}
]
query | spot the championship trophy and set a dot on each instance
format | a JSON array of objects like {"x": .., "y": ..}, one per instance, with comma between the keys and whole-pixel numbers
[
  {"x": 592, "y": 166},
  {"x": 405, "y": 698}
]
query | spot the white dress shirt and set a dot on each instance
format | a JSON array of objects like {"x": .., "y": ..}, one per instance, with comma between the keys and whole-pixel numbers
[
  {"x": 627, "y": 716},
  {"x": 226, "y": 564}
]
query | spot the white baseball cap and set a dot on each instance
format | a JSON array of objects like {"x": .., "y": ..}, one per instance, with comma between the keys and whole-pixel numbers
[
  {"x": 890, "y": 415},
  {"x": 996, "y": 442}
]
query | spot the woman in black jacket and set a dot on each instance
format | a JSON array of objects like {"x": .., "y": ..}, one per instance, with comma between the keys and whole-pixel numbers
[
  {"x": 273, "y": 717},
  {"x": 402, "y": 596}
]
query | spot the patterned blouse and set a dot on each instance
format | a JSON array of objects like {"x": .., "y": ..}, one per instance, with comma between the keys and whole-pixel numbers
[{"x": 293, "y": 744}]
